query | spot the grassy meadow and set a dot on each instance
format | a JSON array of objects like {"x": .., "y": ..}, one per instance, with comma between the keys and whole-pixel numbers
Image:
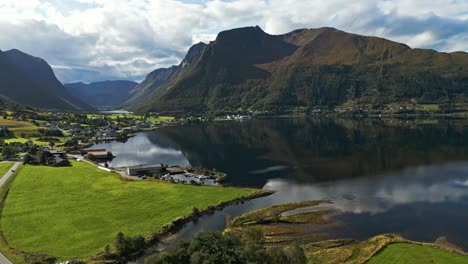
[
  {"x": 19, "y": 128},
  {"x": 23, "y": 132},
  {"x": 402, "y": 253},
  {"x": 4, "y": 167},
  {"x": 73, "y": 212},
  {"x": 151, "y": 119},
  {"x": 381, "y": 249}
]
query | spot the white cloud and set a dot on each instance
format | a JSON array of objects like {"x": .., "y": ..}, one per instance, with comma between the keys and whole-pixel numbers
[{"x": 128, "y": 39}]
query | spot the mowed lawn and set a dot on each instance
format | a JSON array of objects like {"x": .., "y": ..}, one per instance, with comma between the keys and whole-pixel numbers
[
  {"x": 73, "y": 212},
  {"x": 4, "y": 167},
  {"x": 406, "y": 253}
]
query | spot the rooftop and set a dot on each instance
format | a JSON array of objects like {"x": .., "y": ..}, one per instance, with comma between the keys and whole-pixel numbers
[{"x": 143, "y": 167}]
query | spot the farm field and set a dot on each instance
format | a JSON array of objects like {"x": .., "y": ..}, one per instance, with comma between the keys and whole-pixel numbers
[
  {"x": 73, "y": 212},
  {"x": 401, "y": 253},
  {"x": 19, "y": 128},
  {"x": 4, "y": 167}
]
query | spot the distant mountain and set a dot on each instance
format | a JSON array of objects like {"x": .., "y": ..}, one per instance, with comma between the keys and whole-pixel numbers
[
  {"x": 159, "y": 78},
  {"x": 248, "y": 69},
  {"x": 102, "y": 94},
  {"x": 28, "y": 80}
]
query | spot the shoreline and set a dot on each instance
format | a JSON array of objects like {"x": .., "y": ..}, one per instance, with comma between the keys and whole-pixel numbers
[
  {"x": 178, "y": 223},
  {"x": 171, "y": 229}
]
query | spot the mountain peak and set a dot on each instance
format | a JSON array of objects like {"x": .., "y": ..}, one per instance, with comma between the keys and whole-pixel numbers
[
  {"x": 242, "y": 33},
  {"x": 30, "y": 80},
  {"x": 193, "y": 54},
  {"x": 247, "y": 68}
]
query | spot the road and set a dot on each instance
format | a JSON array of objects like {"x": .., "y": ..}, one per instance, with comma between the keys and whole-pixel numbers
[
  {"x": 123, "y": 174},
  {"x": 3, "y": 259}
]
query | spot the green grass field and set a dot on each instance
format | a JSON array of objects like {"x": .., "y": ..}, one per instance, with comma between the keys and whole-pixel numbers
[
  {"x": 73, "y": 212},
  {"x": 151, "y": 119},
  {"x": 402, "y": 253},
  {"x": 19, "y": 127},
  {"x": 4, "y": 167},
  {"x": 428, "y": 107}
]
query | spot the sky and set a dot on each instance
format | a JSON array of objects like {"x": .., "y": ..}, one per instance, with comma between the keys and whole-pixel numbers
[{"x": 95, "y": 40}]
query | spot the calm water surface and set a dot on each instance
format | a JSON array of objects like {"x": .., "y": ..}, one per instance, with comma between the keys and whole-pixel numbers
[{"x": 407, "y": 177}]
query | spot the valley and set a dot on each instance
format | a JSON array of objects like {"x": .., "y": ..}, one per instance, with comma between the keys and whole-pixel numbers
[{"x": 314, "y": 145}]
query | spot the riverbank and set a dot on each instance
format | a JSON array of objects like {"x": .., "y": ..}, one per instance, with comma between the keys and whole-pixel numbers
[
  {"x": 300, "y": 223},
  {"x": 386, "y": 248}
]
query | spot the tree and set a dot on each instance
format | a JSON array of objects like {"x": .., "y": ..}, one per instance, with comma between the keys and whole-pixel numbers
[
  {"x": 245, "y": 247},
  {"x": 121, "y": 244},
  {"x": 90, "y": 156},
  {"x": 195, "y": 211},
  {"x": 295, "y": 255},
  {"x": 51, "y": 144},
  {"x": 27, "y": 158},
  {"x": 129, "y": 246},
  {"x": 8, "y": 151},
  {"x": 277, "y": 255},
  {"x": 42, "y": 157}
]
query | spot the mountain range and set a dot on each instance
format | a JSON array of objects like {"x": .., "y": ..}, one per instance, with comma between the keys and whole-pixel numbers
[
  {"x": 29, "y": 80},
  {"x": 248, "y": 69},
  {"x": 109, "y": 94}
]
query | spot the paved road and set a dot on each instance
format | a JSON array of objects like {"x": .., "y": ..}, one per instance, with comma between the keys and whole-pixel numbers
[{"x": 3, "y": 259}]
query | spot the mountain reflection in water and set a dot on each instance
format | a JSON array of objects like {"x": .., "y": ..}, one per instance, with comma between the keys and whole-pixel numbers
[{"x": 408, "y": 177}]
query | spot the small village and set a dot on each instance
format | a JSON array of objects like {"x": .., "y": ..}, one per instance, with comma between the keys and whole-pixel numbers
[{"x": 60, "y": 136}]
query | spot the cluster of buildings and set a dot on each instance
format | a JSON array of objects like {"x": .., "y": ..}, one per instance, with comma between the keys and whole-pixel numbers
[
  {"x": 57, "y": 158},
  {"x": 175, "y": 174}
]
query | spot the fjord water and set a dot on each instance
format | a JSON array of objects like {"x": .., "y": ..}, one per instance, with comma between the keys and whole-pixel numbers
[{"x": 393, "y": 176}]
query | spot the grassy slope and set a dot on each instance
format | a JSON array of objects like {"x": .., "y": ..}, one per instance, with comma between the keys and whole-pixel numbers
[
  {"x": 154, "y": 120},
  {"x": 400, "y": 253},
  {"x": 75, "y": 211},
  {"x": 4, "y": 167},
  {"x": 19, "y": 127}
]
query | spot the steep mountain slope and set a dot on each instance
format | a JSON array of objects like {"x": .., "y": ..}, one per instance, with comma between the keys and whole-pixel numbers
[
  {"x": 102, "y": 94},
  {"x": 28, "y": 80},
  {"x": 249, "y": 69},
  {"x": 150, "y": 87}
]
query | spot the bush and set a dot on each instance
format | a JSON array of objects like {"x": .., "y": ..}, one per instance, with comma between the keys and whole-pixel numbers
[
  {"x": 90, "y": 156},
  {"x": 195, "y": 211},
  {"x": 128, "y": 247},
  {"x": 216, "y": 247},
  {"x": 40, "y": 259}
]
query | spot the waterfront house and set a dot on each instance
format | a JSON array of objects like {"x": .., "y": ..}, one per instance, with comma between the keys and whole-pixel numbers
[
  {"x": 145, "y": 169},
  {"x": 98, "y": 153}
]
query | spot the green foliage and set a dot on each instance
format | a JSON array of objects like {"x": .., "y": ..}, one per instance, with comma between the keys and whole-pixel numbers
[
  {"x": 215, "y": 247},
  {"x": 127, "y": 247},
  {"x": 40, "y": 259},
  {"x": 8, "y": 151},
  {"x": 51, "y": 132},
  {"x": 27, "y": 158},
  {"x": 42, "y": 157}
]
